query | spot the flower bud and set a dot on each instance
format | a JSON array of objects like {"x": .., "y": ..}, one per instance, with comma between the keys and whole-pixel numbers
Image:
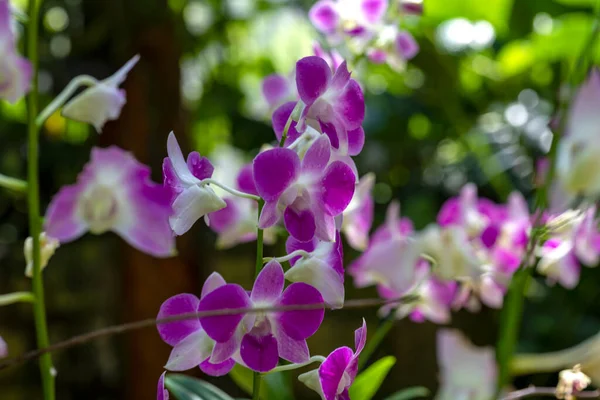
[{"x": 47, "y": 247}]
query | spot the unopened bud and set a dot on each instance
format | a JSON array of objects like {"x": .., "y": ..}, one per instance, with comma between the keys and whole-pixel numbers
[
  {"x": 47, "y": 247},
  {"x": 571, "y": 381}
]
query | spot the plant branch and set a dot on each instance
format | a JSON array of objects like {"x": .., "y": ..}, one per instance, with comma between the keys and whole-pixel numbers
[
  {"x": 230, "y": 190},
  {"x": 14, "y": 184},
  {"x": 61, "y": 99},
  {"x": 16, "y": 297},
  {"x": 145, "y": 323},
  {"x": 548, "y": 391}
]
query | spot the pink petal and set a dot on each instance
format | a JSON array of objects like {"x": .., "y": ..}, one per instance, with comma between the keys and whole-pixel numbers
[
  {"x": 332, "y": 370},
  {"x": 317, "y": 156},
  {"x": 259, "y": 352},
  {"x": 323, "y": 16},
  {"x": 374, "y": 10},
  {"x": 161, "y": 392},
  {"x": 276, "y": 89},
  {"x": 300, "y": 324},
  {"x": 174, "y": 332},
  {"x": 300, "y": 224},
  {"x": 63, "y": 220},
  {"x": 341, "y": 77},
  {"x": 406, "y": 45},
  {"x": 337, "y": 185},
  {"x": 312, "y": 78},
  {"x": 268, "y": 284},
  {"x": 224, "y": 218},
  {"x": 245, "y": 180},
  {"x": 199, "y": 166},
  {"x": 274, "y": 171},
  {"x": 294, "y": 351},
  {"x": 224, "y": 351},
  {"x": 279, "y": 120},
  {"x": 214, "y": 281},
  {"x": 360, "y": 338},
  {"x": 230, "y": 296},
  {"x": 350, "y": 105},
  {"x": 190, "y": 352},
  {"x": 269, "y": 216},
  {"x": 356, "y": 141},
  {"x": 220, "y": 369}
]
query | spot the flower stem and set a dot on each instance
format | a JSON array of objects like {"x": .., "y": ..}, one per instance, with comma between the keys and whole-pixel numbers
[
  {"x": 289, "y": 367},
  {"x": 230, "y": 190},
  {"x": 16, "y": 297},
  {"x": 61, "y": 99},
  {"x": 372, "y": 345},
  {"x": 39, "y": 310},
  {"x": 14, "y": 184},
  {"x": 295, "y": 253},
  {"x": 288, "y": 123},
  {"x": 258, "y": 268}
]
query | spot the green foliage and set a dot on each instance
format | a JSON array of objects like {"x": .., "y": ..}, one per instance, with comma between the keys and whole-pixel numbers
[
  {"x": 367, "y": 383},
  {"x": 184, "y": 387},
  {"x": 275, "y": 386},
  {"x": 496, "y": 12},
  {"x": 416, "y": 392}
]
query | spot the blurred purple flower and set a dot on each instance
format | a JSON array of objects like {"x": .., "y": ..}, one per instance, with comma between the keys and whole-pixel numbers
[
  {"x": 114, "y": 192},
  {"x": 308, "y": 194},
  {"x": 101, "y": 102},
  {"x": 337, "y": 373},
  {"x": 191, "y": 199},
  {"x": 161, "y": 392},
  {"x": 3, "y": 348},
  {"x": 358, "y": 217},
  {"x": 264, "y": 337},
  {"x": 15, "y": 71}
]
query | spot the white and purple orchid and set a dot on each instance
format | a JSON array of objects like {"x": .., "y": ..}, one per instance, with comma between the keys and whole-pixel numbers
[
  {"x": 337, "y": 373},
  {"x": 102, "y": 101},
  {"x": 191, "y": 198},
  {"x": 263, "y": 338},
  {"x": 358, "y": 216},
  {"x": 321, "y": 266},
  {"x": 15, "y": 71},
  {"x": 192, "y": 346},
  {"x": 354, "y": 18},
  {"x": 114, "y": 192},
  {"x": 308, "y": 194},
  {"x": 466, "y": 372}
]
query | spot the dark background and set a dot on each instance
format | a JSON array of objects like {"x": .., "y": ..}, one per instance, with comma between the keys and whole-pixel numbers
[{"x": 455, "y": 115}]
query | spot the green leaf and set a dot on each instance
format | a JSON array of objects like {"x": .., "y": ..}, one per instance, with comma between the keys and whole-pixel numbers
[
  {"x": 367, "y": 383},
  {"x": 496, "y": 12},
  {"x": 275, "y": 386},
  {"x": 185, "y": 387},
  {"x": 410, "y": 393}
]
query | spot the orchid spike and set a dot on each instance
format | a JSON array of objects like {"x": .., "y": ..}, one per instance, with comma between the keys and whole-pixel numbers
[
  {"x": 114, "y": 192},
  {"x": 101, "y": 102}
]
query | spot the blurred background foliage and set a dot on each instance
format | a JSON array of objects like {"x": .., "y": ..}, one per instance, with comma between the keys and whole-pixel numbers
[{"x": 474, "y": 105}]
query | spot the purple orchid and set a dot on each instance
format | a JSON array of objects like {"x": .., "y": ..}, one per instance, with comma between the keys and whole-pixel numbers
[
  {"x": 391, "y": 257},
  {"x": 161, "y": 392},
  {"x": 337, "y": 373},
  {"x": 434, "y": 298},
  {"x": 394, "y": 47},
  {"x": 190, "y": 197},
  {"x": 15, "y": 71},
  {"x": 466, "y": 372},
  {"x": 333, "y": 58},
  {"x": 308, "y": 194},
  {"x": 335, "y": 103},
  {"x": 262, "y": 338},
  {"x": 322, "y": 267},
  {"x": 277, "y": 89},
  {"x": 358, "y": 217},
  {"x": 114, "y": 192},
  {"x": 354, "y": 18},
  {"x": 101, "y": 102},
  {"x": 191, "y": 344}
]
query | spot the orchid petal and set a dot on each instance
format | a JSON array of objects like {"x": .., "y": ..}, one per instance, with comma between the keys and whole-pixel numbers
[
  {"x": 274, "y": 171},
  {"x": 214, "y": 281},
  {"x": 220, "y": 369},
  {"x": 199, "y": 166},
  {"x": 312, "y": 78},
  {"x": 260, "y": 353},
  {"x": 275, "y": 88},
  {"x": 190, "y": 352},
  {"x": 191, "y": 205},
  {"x": 338, "y": 185},
  {"x": 161, "y": 392},
  {"x": 63, "y": 219},
  {"x": 292, "y": 350},
  {"x": 318, "y": 154},
  {"x": 178, "y": 162},
  {"x": 279, "y": 121},
  {"x": 324, "y": 16},
  {"x": 300, "y": 224},
  {"x": 332, "y": 370},
  {"x": 322, "y": 277},
  {"x": 268, "y": 284},
  {"x": 373, "y": 10},
  {"x": 174, "y": 332},
  {"x": 269, "y": 215},
  {"x": 221, "y": 328},
  {"x": 303, "y": 323}
]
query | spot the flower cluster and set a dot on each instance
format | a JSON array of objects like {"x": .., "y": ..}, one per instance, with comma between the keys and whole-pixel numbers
[{"x": 367, "y": 27}]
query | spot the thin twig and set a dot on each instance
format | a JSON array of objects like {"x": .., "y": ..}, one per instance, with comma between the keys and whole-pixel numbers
[
  {"x": 550, "y": 392},
  {"x": 145, "y": 323}
]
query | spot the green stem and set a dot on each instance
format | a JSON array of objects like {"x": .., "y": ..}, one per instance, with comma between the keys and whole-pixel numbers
[
  {"x": 16, "y": 297},
  {"x": 288, "y": 123},
  {"x": 39, "y": 309},
  {"x": 258, "y": 268},
  {"x": 14, "y": 184},
  {"x": 372, "y": 345},
  {"x": 61, "y": 99},
  {"x": 256, "y": 386}
]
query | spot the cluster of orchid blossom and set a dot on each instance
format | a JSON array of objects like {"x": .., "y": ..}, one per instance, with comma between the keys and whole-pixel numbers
[{"x": 368, "y": 27}]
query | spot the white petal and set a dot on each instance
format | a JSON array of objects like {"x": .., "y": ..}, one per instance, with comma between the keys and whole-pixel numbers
[
  {"x": 119, "y": 77},
  {"x": 324, "y": 278},
  {"x": 193, "y": 203},
  {"x": 190, "y": 352},
  {"x": 95, "y": 105},
  {"x": 178, "y": 162}
]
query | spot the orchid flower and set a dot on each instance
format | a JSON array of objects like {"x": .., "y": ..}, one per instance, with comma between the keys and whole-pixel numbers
[
  {"x": 277, "y": 89},
  {"x": 191, "y": 344},
  {"x": 161, "y": 392},
  {"x": 358, "y": 217},
  {"x": 334, "y": 102},
  {"x": 15, "y": 71},
  {"x": 262, "y": 338},
  {"x": 349, "y": 17},
  {"x": 101, "y": 102},
  {"x": 321, "y": 267},
  {"x": 308, "y": 194},
  {"x": 114, "y": 192},
  {"x": 466, "y": 372},
  {"x": 337, "y": 373},
  {"x": 394, "y": 47},
  {"x": 191, "y": 199},
  {"x": 392, "y": 255}
]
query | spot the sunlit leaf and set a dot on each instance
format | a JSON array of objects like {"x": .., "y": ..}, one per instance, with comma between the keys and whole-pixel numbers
[
  {"x": 367, "y": 383},
  {"x": 416, "y": 392},
  {"x": 184, "y": 387}
]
